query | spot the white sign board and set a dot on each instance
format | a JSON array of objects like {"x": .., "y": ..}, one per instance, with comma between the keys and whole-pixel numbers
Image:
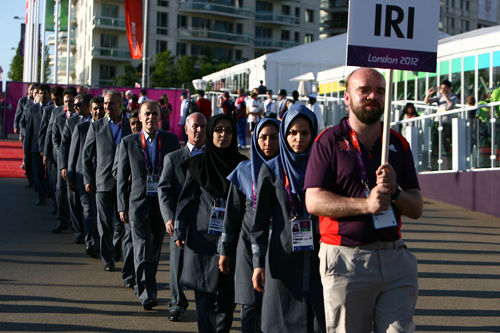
[{"x": 395, "y": 34}]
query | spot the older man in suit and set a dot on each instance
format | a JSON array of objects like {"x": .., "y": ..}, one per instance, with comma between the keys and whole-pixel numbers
[
  {"x": 169, "y": 189},
  {"x": 50, "y": 159},
  {"x": 102, "y": 139},
  {"x": 141, "y": 157},
  {"x": 31, "y": 120},
  {"x": 57, "y": 99},
  {"x": 62, "y": 186},
  {"x": 75, "y": 177}
]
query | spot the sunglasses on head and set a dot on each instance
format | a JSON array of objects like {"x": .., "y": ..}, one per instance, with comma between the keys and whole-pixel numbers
[{"x": 220, "y": 129}]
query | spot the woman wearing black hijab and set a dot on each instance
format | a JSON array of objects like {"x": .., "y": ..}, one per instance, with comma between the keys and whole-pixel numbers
[{"x": 203, "y": 194}]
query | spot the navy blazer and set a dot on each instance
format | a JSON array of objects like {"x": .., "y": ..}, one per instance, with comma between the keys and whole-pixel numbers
[
  {"x": 99, "y": 150},
  {"x": 131, "y": 163}
]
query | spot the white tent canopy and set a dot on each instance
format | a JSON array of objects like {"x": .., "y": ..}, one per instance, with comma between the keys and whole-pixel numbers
[{"x": 304, "y": 77}]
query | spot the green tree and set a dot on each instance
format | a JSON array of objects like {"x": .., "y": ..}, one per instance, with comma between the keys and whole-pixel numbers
[
  {"x": 128, "y": 78},
  {"x": 17, "y": 66},
  {"x": 164, "y": 72},
  {"x": 187, "y": 71}
]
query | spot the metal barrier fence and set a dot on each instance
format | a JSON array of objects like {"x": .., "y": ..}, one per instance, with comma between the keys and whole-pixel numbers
[{"x": 454, "y": 140}]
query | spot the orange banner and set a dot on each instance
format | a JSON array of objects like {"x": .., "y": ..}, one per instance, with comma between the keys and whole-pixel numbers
[{"x": 133, "y": 21}]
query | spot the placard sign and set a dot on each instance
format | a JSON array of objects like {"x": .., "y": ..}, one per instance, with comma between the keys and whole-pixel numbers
[{"x": 394, "y": 34}]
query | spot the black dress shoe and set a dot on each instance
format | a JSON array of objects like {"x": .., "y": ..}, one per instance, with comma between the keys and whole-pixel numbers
[
  {"x": 54, "y": 211},
  {"x": 149, "y": 304},
  {"x": 59, "y": 229},
  {"x": 109, "y": 267},
  {"x": 40, "y": 202},
  {"x": 79, "y": 239},
  {"x": 175, "y": 314},
  {"x": 91, "y": 251},
  {"x": 29, "y": 184},
  {"x": 129, "y": 284}
]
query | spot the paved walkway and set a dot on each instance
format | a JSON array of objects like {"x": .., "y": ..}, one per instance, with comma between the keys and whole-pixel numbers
[{"x": 48, "y": 284}]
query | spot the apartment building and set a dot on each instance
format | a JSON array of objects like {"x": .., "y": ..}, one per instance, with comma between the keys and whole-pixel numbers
[
  {"x": 458, "y": 16},
  {"x": 236, "y": 30}
]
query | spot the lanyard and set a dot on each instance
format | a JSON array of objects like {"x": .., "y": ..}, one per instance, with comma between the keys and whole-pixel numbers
[
  {"x": 289, "y": 196},
  {"x": 119, "y": 130},
  {"x": 144, "y": 150},
  {"x": 359, "y": 156},
  {"x": 254, "y": 196}
]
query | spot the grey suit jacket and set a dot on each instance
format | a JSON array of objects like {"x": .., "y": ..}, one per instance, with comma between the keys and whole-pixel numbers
[
  {"x": 20, "y": 109},
  {"x": 75, "y": 160},
  {"x": 48, "y": 119},
  {"x": 67, "y": 133},
  {"x": 131, "y": 163},
  {"x": 57, "y": 133},
  {"x": 99, "y": 145},
  {"x": 171, "y": 182},
  {"x": 31, "y": 119}
]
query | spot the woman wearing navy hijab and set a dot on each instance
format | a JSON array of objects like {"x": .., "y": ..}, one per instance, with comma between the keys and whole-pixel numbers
[
  {"x": 236, "y": 241},
  {"x": 286, "y": 264}
]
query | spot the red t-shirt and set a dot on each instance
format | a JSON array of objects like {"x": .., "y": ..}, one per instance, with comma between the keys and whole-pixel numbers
[{"x": 205, "y": 107}]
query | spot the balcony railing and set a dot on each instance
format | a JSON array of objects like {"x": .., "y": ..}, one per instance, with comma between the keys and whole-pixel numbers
[
  {"x": 110, "y": 52},
  {"x": 274, "y": 43},
  {"x": 217, "y": 8},
  {"x": 334, "y": 4},
  {"x": 211, "y": 34},
  {"x": 279, "y": 18},
  {"x": 109, "y": 22}
]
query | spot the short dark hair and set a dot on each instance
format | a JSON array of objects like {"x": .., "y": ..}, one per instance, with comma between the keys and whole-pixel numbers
[
  {"x": 446, "y": 83},
  {"x": 70, "y": 91},
  {"x": 295, "y": 94},
  {"x": 97, "y": 100},
  {"x": 84, "y": 98},
  {"x": 471, "y": 100},
  {"x": 143, "y": 92},
  {"x": 201, "y": 92},
  {"x": 44, "y": 87},
  {"x": 57, "y": 91},
  {"x": 134, "y": 114}
]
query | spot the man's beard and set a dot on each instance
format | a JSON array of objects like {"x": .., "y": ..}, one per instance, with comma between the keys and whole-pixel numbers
[{"x": 365, "y": 116}]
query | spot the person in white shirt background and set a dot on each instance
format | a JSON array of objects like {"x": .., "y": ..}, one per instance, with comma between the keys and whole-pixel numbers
[
  {"x": 318, "y": 111},
  {"x": 269, "y": 104},
  {"x": 254, "y": 111}
]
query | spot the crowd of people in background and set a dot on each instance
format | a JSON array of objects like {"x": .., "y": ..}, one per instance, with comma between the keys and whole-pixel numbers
[{"x": 242, "y": 231}]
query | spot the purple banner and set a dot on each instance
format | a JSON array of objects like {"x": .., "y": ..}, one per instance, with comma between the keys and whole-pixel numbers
[{"x": 417, "y": 61}]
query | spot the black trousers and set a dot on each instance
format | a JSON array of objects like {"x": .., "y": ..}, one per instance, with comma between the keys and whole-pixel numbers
[{"x": 39, "y": 174}]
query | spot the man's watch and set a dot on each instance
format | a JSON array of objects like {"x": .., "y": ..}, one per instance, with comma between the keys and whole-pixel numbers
[{"x": 396, "y": 195}]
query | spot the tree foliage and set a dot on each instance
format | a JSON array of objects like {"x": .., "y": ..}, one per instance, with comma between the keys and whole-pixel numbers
[
  {"x": 164, "y": 72},
  {"x": 17, "y": 66},
  {"x": 129, "y": 77}
]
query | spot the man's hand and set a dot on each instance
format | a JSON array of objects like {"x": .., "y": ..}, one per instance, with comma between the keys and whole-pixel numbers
[
  {"x": 64, "y": 174},
  {"x": 89, "y": 188},
  {"x": 72, "y": 186},
  {"x": 169, "y": 226},
  {"x": 386, "y": 177},
  {"x": 16, "y": 130},
  {"x": 21, "y": 139},
  {"x": 124, "y": 217},
  {"x": 379, "y": 200},
  {"x": 41, "y": 153},
  {"x": 180, "y": 243},
  {"x": 46, "y": 160},
  {"x": 224, "y": 264},
  {"x": 259, "y": 279}
]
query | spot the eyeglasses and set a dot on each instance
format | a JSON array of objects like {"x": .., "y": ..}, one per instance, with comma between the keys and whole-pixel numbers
[
  {"x": 96, "y": 108},
  {"x": 220, "y": 129}
]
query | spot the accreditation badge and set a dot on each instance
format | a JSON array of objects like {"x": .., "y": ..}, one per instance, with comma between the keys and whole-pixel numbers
[
  {"x": 152, "y": 185},
  {"x": 385, "y": 219},
  {"x": 216, "y": 221},
  {"x": 302, "y": 235}
]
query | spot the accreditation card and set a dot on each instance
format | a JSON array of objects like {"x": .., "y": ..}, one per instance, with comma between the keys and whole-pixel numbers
[
  {"x": 302, "y": 235},
  {"x": 152, "y": 185},
  {"x": 216, "y": 221}
]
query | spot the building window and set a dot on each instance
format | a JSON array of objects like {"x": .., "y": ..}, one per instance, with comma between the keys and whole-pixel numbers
[
  {"x": 181, "y": 22},
  {"x": 200, "y": 50},
  {"x": 237, "y": 55},
  {"x": 262, "y": 6},
  {"x": 222, "y": 53},
  {"x": 339, "y": 20},
  {"x": 309, "y": 15},
  {"x": 297, "y": 12},
  {"x": 106, "y": 74},
  {"x": 223, "y": 26},
  {"x": 109, "y": 41},
  {"x": 200, "y": 23},
  {"x": 263, "y": 33},
  {"x": 181, "y": 49},
  {"x": 464, "y": 25},
  {"x": 285, "y": 35},
  {"x": 162, "y": 3},
  {"x": 161, "y": 46},
  {"x": 239, "y": 29},
  {"x": 285, "y": 10},
  {"x": 110, "y": 11},
  {"x": 308, "y": 38},
  {"x": 297, "y": 37},
  {"x": 161, "y": 23}
]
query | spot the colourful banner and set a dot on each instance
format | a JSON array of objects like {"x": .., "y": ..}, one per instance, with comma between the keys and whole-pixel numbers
[
  {"x": 133, "y": 21},
  {"x": 63, "y": 16},
  {"x": 49, "y": 15}
]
